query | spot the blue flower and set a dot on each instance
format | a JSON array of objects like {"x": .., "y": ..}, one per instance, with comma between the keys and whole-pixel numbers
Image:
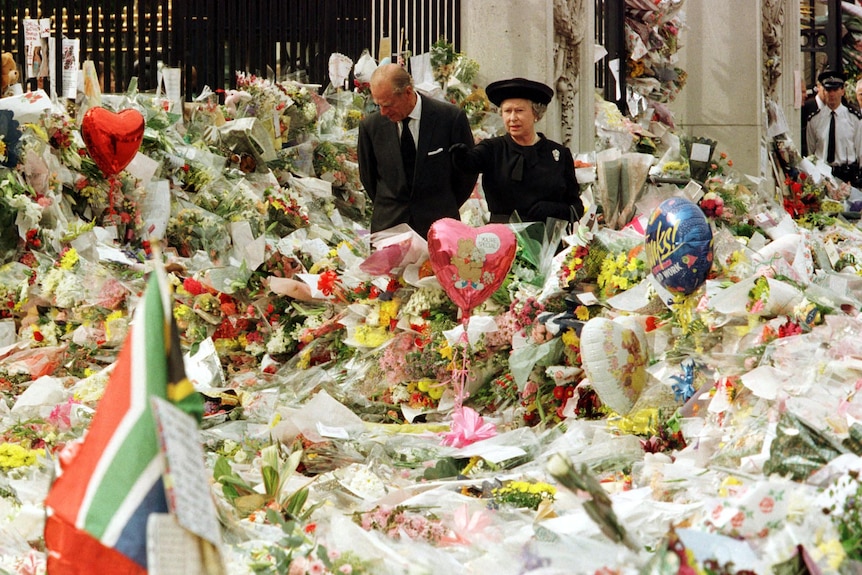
[{"x": 683, "y": 389}]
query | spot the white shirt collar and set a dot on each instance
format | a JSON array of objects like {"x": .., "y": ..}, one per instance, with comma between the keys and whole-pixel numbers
[{"x": 416, "y": 113}]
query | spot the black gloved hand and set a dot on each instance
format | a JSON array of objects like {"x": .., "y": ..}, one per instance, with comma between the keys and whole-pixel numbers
[
  {"x": 458, "y": 150},
  {"x": 541, "y": 211},
  {"x": 458, "y": 153}
]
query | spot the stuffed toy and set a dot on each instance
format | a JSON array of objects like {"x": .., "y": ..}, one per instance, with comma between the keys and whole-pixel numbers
[{"x": 8, "y": 74}]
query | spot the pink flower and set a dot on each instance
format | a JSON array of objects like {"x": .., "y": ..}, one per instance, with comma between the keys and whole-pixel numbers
[
  {"x": 298, "y": 566},
  {"x": 316, "y": 567},
  {"x": 347, "y": 569},
  {"x": 468, "y": 427},
  {"x": 468, "y": 527},
  {"x": 61, "y": 415}
]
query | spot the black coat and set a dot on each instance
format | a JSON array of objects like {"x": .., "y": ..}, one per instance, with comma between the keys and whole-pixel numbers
[
  {"x": 437, "y": 190},
  {"x": 537, "y": 181}
]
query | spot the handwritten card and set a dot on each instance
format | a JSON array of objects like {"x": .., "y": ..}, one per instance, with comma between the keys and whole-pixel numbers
[{"x": 185, "y": 472}]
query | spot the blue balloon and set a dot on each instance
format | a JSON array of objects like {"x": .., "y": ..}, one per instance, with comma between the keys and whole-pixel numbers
[{"x": 679, "y": 245}]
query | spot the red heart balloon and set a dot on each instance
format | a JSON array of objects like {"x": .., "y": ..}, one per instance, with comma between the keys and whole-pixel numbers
[
  {"x": 112, "y": 139},
  {"x": 470, "y": 263}
]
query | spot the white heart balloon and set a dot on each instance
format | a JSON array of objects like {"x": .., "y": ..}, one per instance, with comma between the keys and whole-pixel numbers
[{"x": 614, "y": 358}]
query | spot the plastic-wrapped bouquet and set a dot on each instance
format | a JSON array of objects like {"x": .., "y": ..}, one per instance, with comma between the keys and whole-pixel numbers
[{"x": 401, "y": 521}]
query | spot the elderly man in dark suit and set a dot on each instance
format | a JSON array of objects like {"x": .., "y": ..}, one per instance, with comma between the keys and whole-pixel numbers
[{"x": 404, "y": 161}]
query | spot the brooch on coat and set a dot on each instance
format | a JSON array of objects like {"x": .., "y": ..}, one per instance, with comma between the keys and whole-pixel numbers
[{"x": 556, "y": 154}]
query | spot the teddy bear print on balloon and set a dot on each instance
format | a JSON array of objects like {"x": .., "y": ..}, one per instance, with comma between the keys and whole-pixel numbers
[{"x": 9, "y": 75}]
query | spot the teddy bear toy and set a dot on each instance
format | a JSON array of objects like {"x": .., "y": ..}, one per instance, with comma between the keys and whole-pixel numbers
[
  {"x": 468, "y": 261},
  {"x": 8, "y": 74}
]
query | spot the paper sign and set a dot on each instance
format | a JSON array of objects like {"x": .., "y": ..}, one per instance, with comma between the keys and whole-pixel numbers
[
  {"x": 171, "y": 550},
  {"x": 333, "y": 432},
  {"x": 832, "y": 253},
  {"x": 700, "y": 152},
  {"x": 71, "y": 59},
  {"x": 588, "y": 298},
  {"x": 384, "y": 49},
  {"x": 156, "y": 209},
  {"x": 171, "y": 78},
  {"x": 185, "y": 473},
  {"x": 143, "y": 167},
  {"x": 693, "y": 190}
]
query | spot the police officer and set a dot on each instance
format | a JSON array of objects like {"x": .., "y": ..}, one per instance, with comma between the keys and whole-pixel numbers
[{"x": 834, "y": 132}]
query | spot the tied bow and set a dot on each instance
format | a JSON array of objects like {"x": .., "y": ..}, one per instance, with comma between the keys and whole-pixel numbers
[{"x": 468, "y": 427}]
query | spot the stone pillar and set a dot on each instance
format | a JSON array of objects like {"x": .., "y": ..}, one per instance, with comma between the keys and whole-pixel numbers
[{"x": 730, "y": 70}]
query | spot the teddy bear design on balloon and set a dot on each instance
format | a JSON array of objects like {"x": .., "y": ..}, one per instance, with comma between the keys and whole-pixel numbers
[
  {"x": 469, "y": 261},
  {"x": 9, "y": 75}
]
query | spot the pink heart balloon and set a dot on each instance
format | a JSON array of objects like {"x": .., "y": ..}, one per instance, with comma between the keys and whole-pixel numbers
[
  {"x": 470, "y": 263},
  {"x": 112, "y": 139}
]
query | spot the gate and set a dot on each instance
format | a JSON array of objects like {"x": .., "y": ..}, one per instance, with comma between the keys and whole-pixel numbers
[{"x": 212, "y": 39}]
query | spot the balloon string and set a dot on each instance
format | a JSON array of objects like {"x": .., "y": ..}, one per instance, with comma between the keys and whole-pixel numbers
[
  {"x": 459, "y": 376},
  {"x": 114, "y": 186}
]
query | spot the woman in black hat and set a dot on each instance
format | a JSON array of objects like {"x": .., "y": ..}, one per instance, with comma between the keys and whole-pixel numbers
[{"x": 523, "y": 171}]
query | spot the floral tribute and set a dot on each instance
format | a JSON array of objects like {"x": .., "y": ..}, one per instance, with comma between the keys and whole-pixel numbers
[{"x": 331, "y": 437}]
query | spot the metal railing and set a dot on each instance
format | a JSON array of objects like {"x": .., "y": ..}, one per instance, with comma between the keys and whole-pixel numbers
[{"x": 213, "y": 39}]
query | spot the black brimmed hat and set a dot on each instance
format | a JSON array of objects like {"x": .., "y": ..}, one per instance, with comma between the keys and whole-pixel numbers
[
  {"x": 518, "y": 88},
  {"x": 831, "y": 79}
]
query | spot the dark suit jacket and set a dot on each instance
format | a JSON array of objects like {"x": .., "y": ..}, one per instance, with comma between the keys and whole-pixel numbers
[{"x": 437, "y": 190}]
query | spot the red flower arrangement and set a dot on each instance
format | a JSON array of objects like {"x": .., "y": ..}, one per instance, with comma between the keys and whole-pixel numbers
[{"x": 803, "y": 198}]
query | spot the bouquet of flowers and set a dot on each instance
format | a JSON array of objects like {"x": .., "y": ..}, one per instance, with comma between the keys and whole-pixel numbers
[
  {"x": 621, "y": 271},
  {"x": 17, "y": 206},
  {"x": 193, "y": 228},
  {"x": 234, "y": 203},
  {"x": 652, "y": 31},
  {"x": 287, "y": 108},
  {"x": 524, "y": 494},
  {"x": 401, "y": 520},
  {"x": 336, "y": 162}
]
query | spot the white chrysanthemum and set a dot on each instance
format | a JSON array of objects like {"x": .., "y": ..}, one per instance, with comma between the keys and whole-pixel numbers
[
  {"x": 50, "y": 280},
  {"x": 255, "y": 348},
  {"x": 69, "y": 292},
  {"x": 424, "y": 299},
  {"x": 277, "y": 344}
]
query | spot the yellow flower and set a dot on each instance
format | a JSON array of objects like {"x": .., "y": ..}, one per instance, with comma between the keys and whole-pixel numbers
[
  {"x": 39, "y": 130},
  {"x": 582, "y": 312},
  {"x": 69, "y": 259},
  {"x": 183, "y": 313},
  {"x": 111, "y": 318},
  {"x": 13, "y": 456},
  {"x": 728, "y": 483},
  {"x": 570, "y": 338},
  {"x": 446, "y": 351},
  {"x": 371, "y": 336},
  {"x": 389, "y": 311},
  {"x": 833, "y": 551},
  {"x": 304, "y": 358}
]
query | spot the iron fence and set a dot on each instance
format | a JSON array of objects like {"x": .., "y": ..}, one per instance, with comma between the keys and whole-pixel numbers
[{"x": 213, "y": 39}]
